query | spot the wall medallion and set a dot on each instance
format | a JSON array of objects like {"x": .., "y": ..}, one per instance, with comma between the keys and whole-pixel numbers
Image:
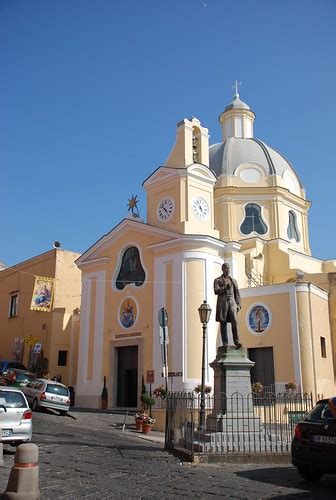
[
  {"x": 259, "y": 319},
  {"x": 128, "y": 313}
]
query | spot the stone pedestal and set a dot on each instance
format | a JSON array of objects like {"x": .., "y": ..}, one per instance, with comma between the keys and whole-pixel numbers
[{"x": 233, "y": 404}]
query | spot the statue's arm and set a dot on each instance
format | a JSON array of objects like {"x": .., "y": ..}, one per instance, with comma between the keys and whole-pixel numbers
[
  {"x": 218, "y": 286},
  {"x": 237, "y": 295}
]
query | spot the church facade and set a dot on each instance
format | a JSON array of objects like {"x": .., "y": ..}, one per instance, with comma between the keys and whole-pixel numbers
[{"x": 240, "y": 202}]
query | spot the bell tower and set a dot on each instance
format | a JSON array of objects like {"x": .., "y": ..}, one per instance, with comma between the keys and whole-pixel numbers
[{"x": 180, "y": 193}]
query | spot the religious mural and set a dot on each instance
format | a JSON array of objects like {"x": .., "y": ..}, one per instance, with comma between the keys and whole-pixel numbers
[
  {"x": 128, "y": 313},
  {"x": 42, "y": 294}
]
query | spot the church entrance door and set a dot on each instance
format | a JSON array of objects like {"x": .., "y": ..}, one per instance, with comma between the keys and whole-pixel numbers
[
  {"x": 263, "y": 370},
  {"x": 127, "y": 382}
]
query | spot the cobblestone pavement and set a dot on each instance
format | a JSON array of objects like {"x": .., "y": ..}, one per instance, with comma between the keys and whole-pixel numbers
[{"x": 87, "y": 455}]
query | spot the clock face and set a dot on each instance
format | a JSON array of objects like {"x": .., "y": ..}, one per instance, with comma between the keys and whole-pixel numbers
[
  {"x": 165, "y": 209},
  {"x": 200, "y": 208}
]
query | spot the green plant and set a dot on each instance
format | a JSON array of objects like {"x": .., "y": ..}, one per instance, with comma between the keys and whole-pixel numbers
[
  {"x": 291, "y": 386},
  {"x": 198, "y": 389},
  {"x": 257, "y": 387},
  {"x": 147, "y": 400},
  {"x": 160, "y": 392}
]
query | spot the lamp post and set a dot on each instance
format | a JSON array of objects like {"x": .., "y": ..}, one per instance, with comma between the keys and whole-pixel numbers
[{"x": 204, "y": 312}]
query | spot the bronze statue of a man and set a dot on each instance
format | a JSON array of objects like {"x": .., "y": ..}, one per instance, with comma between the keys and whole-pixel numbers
[{"x": 228, "y": 305}]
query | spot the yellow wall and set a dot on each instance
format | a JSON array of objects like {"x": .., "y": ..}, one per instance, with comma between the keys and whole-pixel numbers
[
  {"x": 194, "y": 295},
  {"x": 279, "y": 336},
  {"x": 52, "y": 329},
  {"x": 321, "y": 328}
]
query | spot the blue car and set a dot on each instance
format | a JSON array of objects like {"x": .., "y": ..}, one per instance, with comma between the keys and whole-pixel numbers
[{"x": 6, "y": 365}]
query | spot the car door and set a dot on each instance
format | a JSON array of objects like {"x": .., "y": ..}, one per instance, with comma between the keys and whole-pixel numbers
[
  {"x": 29, "y": 391},
  {"x": 12, "y": 407},
  {"x": 319, "y": 436}
]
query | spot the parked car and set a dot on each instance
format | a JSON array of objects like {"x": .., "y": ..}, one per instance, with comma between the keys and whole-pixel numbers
[
  {"x": 314, "y": 443},
  {"x": 5, "y": 365},
  {"x": 44, "y": 393},
  {"x": 15, "y": 416},
  {"x": 18, "y": 378}
]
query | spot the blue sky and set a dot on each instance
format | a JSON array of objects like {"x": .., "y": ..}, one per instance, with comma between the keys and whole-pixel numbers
[{"x": 91, "y": 91}]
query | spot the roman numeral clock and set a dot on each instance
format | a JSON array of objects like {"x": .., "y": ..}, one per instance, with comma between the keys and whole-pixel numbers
[{"x": 165, "y": 208}]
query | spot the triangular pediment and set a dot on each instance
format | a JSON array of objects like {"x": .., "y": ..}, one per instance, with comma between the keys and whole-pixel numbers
[
  {"x": 161, "y": 174},
  {"x": 164, "y": 174},
  {"x": 126, "y": 226}
]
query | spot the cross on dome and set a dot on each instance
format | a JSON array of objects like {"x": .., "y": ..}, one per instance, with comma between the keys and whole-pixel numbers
[{"x": 235, "y": 87}]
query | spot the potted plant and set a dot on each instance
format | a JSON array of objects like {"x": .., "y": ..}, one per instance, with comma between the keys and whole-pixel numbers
[
  {"x": 198, "y": 389},
  {"x": 139, "y": 418},
  {"x": 257, "y": 387},
  {"x": 291, "y": 386},
  {"x": 146, "y": 399},
  {"x": 147, "y": 424},
  {"x": 104, "y": 396},
  {"x": 160, "y": 392}
]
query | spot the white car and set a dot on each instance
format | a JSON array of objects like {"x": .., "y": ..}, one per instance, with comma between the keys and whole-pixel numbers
[
  {"x": 15, "y": 416},
  {"x": 42, "y": 393}
]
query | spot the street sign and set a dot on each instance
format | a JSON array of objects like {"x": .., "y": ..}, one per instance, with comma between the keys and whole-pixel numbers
[
  {"x": 30, "y": 340},
  {"x": 175, "y": 374},
  {"x": 163, "y": 317},
  {"x": 37, "y": 348},
  {"x": 150, "y": 376}
]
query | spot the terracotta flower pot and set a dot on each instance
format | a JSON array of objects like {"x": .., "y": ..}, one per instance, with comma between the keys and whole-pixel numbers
[
  {"x": 146, "y": 428},
  {"x": 138, "y": 424}
]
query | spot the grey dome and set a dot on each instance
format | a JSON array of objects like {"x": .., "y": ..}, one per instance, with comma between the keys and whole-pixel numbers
[
  {"x": 226, "y": 157},
  {"x": 237, "y": 104}
]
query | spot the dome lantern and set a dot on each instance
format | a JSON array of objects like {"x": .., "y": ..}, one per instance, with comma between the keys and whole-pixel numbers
[{"x": 237, "y": 118}]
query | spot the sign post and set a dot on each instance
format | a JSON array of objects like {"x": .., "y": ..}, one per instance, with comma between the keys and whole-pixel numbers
[
  {"x": 150, "y": 380},
  {"x": 163, "y": 322}
]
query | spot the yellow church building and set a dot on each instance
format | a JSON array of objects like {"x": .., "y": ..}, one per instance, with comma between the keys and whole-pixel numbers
[{"x": 241, "y": 202}]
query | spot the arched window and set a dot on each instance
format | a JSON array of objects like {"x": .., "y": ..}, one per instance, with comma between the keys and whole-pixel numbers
[
  {"x": 292, "y": 230},
  {"x": 253, "y": 221},
  {"x": 196, "y": 144},
  {"x": 131, "y": 270}
]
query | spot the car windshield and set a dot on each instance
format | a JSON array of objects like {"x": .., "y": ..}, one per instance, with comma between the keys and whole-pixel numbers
[
  {"x": 57, "y": 389},
  {"x": 11, "y": 399},
  {"x": 24, "y": 376},
  {"x": 320, "y": 413}
]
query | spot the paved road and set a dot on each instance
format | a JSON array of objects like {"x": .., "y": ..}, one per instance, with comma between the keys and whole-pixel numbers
[{"x": 88, "y": 456}]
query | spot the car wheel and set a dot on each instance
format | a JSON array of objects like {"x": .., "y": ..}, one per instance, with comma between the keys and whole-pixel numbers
[
  {"x": 311, "y": 475},
  {"x": 35, "y": 405},
  {"x": 63, "y": 413}
]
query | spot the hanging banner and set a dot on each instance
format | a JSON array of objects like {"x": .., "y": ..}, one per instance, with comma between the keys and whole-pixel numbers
[{"x": 42, "y": 294}]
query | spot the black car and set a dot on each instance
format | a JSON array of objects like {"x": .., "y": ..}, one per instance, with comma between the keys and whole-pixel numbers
[{"x": 314, "y": 443}]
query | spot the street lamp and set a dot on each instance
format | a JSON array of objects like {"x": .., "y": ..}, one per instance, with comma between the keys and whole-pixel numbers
[{"x": 204, "y": 312}]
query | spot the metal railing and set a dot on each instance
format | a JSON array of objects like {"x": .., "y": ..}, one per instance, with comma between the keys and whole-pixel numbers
[{"x": 255, "y": 424}]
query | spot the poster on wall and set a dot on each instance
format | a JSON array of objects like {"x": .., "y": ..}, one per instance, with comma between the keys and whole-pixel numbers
[{"x": 42, "y": 294}]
